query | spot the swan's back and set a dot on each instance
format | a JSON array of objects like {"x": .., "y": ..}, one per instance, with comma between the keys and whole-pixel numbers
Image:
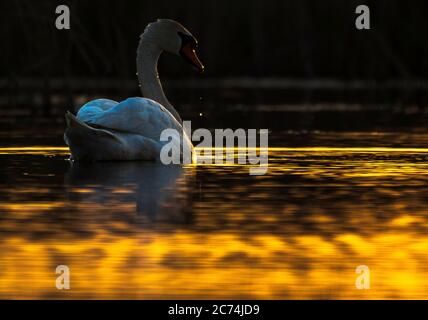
[{"x": 134, "y": 115}]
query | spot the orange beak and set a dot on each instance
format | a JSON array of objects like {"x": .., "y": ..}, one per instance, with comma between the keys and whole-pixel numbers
[{"x": 189, "y": 54}]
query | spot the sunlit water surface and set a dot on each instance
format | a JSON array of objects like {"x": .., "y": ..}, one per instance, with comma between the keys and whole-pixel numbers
[{"x": 144, "y": 230}]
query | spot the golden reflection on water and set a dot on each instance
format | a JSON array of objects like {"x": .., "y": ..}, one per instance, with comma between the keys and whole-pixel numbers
[{"x": 141, "y": 230}]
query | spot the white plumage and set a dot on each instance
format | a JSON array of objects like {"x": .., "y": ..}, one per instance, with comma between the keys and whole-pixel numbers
[{"x": 131, "y": 130}]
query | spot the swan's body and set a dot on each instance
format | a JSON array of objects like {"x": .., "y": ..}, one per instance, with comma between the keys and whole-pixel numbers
[{"x": 130, "y": 130}]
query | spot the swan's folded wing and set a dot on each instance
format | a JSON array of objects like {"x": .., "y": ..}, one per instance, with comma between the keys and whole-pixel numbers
[
  {"x": 93, "y": 109},
  {"x": 138, "y": 116}
]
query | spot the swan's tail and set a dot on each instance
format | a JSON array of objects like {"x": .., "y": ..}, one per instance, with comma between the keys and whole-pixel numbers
[
  {"x": 86, "y": 142},
  {"x": 74, "y": 123}
]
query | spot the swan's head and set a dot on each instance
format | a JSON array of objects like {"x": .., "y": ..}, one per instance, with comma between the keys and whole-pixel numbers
[{"x": 172, "y": 37}]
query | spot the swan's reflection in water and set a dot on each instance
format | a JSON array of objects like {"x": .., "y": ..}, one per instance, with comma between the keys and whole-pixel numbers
[{"x": 157, "y": 190}]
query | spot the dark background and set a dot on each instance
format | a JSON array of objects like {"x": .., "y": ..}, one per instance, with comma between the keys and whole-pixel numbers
[
  {"x": 283, "y": 38},
  {"x": 259, "y": 55}
]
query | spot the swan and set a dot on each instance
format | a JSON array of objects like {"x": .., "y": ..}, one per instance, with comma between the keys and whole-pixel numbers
[{"x": 104, "y": 129}]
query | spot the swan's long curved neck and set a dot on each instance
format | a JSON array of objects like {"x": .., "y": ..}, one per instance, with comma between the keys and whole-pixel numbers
[{"x": 148, "y": 54}]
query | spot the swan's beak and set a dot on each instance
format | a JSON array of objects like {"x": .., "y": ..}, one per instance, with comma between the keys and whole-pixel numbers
[{"x": 189, "y": 54}]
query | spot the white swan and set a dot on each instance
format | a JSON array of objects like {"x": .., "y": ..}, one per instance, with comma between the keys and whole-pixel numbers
[{"x": 130, "y": 130}]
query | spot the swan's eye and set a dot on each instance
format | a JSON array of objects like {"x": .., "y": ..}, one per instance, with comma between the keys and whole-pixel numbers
[
  {"x": 187, "y": 40},
  {"x": 188, "y": 50}
]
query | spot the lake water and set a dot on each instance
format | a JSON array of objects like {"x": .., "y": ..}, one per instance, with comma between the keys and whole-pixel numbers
[{"x": 144, "y": 230}]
